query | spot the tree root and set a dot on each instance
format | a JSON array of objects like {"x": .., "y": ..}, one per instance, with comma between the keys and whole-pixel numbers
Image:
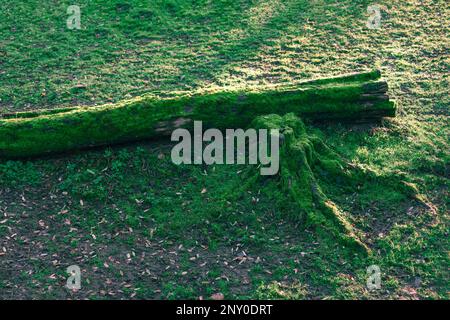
[{"x": 303, "y": 158}]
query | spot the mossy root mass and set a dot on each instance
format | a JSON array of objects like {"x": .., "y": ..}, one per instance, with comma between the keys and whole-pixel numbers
[
  {"x": 306, "y": 162},
  {"x": 356, "y": 97}
]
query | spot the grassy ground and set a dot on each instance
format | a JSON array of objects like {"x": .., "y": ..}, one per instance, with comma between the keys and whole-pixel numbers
[{"x": 141, "y": 227}]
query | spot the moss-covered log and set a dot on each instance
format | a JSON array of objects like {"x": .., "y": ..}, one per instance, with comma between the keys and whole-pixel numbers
[
  {"x": 304, "y": 158},
  {"x": 359, "y": 97}
]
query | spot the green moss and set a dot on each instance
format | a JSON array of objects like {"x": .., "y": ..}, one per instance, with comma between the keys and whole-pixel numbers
[{"x": 304, "y": 160}]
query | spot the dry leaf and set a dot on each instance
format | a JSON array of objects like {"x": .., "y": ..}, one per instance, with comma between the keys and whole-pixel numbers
[{"x": 218, "y": 296}]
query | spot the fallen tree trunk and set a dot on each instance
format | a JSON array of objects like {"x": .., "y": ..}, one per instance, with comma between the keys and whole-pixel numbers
[
  {"x": 358, "y": 97},
  {"x": 306, "y": 162}
]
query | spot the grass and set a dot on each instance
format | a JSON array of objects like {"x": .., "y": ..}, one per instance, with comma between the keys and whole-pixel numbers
[{"x": 141, "y": 227}]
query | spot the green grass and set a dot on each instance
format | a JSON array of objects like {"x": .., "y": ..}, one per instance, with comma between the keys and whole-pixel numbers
[{"x": 141, "y": 227}]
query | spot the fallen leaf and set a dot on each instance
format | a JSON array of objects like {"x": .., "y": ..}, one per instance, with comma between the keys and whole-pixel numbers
[{"x": 218, "y": 296}]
